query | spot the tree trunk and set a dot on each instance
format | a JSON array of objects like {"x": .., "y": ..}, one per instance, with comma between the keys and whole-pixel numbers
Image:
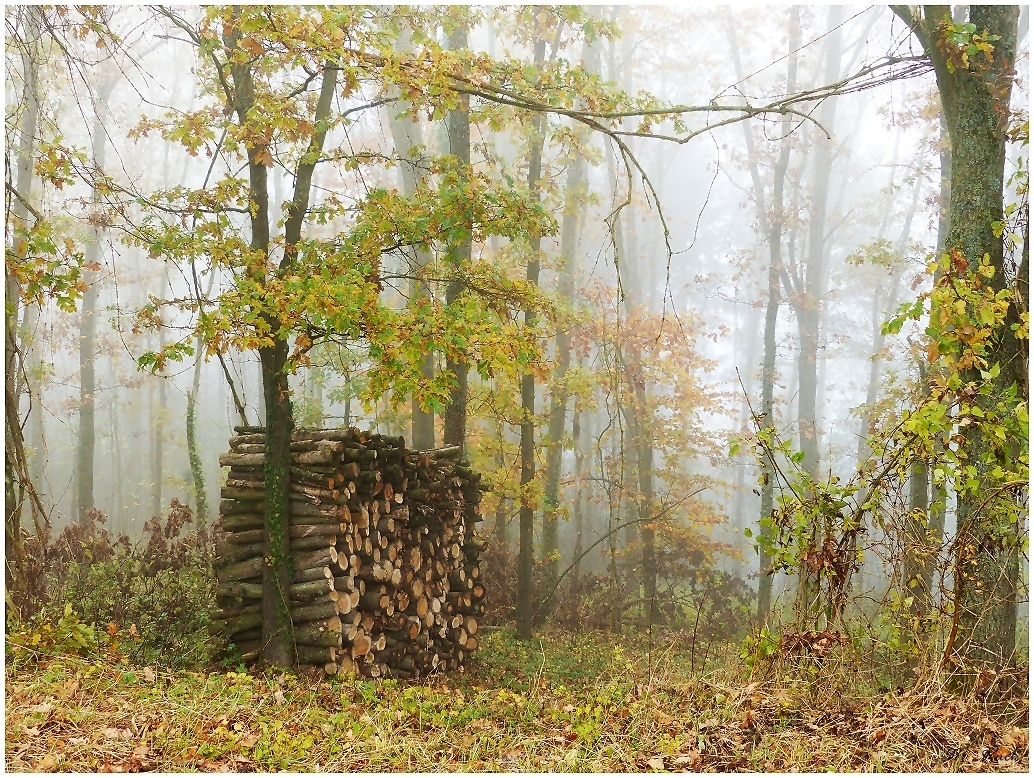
[
  {"x": 276, "y": 578},
  {"x": 647, "y": 507},
  {"x": 502, "y": 523},
  {"x": 455, "y": 432},
  {"x": 975, "y": 104},
  {"x": 15, "y": 465},
  {"x": 197, "y": 471},
  {"x": 158, "y": 423},
  {"x": 526, "y": 558},
  {"x": 772, "y": 226},
  {"x": 579, "y": 513},
  {"x": 558, "y": 411},
  {"x": 88, "y": 326},
  {"x": 407, "y": 135},
  {"x": 976, "y": 117},
  {"x": 808, "y": 307}
]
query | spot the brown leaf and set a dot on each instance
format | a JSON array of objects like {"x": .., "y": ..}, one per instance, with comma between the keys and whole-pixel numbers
[{"x": 656, "y": 762}]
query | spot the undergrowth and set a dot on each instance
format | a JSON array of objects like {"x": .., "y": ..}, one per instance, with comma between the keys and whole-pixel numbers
[{"x": 562, "y": 702}]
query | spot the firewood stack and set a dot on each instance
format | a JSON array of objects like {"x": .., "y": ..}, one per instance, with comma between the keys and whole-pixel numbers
[{"x": 385, "y": 576}]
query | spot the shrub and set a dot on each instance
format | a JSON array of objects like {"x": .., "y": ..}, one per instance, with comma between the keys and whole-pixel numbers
[{"x": 157, "y": 593}]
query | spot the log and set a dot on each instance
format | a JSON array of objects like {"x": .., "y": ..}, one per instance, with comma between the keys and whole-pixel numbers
[
  {"x": 317, "y": 444},
  {"x": 318, "y": 627},
  {"x": 235, "y": 624},
  {"x": 311, "y": 544},
  {"x": 324, "y": 556},
  {"x": 243, "y": 495},
  {"x": 246, "y": 591},
  {"x": 226, "y": 553},
  {"x": 240, "y": 440},
  {"x": 321, "y": 456},
  {"x": 313, "y": 477},
  {"x": 248, "y": 649},
  {"x": 242, "y": 460},
  {"x": 228, "y": 507},
  {"x": 321, "y": 610},
  {"x": 310, "y": 589},
  {"x": 374, "y": 600},
  {"x": 361, "y": 646},
  {"x": 247, "y": 537},
  {"x": 241, "y": 522},
  {"x": 312, "y": 574},
  {"x": 314, "y": 514},
  {"x": 316, "y": 530},
  {"x": 325, "y": 434},
  {"x": 244, "y": 483},
  {"x": 240, "y": 571},
  {"x": 307, "y": 654}
]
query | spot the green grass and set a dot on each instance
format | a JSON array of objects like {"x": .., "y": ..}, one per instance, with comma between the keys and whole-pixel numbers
[{"x": 561, "y": 703}]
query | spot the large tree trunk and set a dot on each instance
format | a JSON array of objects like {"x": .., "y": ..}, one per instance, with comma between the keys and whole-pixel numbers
[
  {"x": 407, "y": 135},
  {"x": 976, "y": 117},
  {"x": 526, "y": 558},
  {"x": 455, "y": 432},
  {"x": 772, "y": 225},
  {"x": 975, "y": 103}
]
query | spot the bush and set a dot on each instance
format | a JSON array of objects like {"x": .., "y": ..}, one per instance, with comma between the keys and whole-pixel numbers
[{"x": 157, "y": 595}]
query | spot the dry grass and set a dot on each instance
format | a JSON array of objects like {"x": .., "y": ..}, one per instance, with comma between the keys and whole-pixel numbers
[{"x": 563, "y": 703}]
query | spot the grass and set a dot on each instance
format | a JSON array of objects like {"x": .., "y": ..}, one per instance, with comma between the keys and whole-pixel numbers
[{"x": 562, "y": 703}]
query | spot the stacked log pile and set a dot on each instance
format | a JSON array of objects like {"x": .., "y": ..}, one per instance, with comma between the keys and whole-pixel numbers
[{"x": 385, "y": 573}]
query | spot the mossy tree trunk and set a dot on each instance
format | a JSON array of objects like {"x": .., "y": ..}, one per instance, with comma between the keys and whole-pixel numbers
[
  {"x": 278, "y": 644},
  {"x": 975, "y": 102}
]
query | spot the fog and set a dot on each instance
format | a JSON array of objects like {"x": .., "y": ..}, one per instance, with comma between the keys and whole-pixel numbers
[{"x": 690, "y": 302}]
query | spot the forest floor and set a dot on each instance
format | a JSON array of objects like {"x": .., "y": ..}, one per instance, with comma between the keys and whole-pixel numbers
[{"x": 562, "y": 703}]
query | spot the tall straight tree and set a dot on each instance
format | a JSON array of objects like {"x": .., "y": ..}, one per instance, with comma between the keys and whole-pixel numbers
[
  {"x": 808, "y": 308},
  {"x": 975, "y": 98},
  {"x": 15, "y": 466},
  {"x": 573, "y": 198},
  {"x": 771, "y": 225},
  {"x": 804, "y": 288},
  {"x": 458, "y": 120},
  {"x": 88, "y": 321},
  {"x": 408, "y": 137},
  {"x": 526, "y": 554}
]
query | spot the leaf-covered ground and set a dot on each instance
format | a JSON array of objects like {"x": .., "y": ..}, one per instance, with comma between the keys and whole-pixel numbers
[{"x": 561, "y": 703}]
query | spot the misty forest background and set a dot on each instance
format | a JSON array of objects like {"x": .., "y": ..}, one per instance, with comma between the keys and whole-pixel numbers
[{"x": 691, "y": 287}]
